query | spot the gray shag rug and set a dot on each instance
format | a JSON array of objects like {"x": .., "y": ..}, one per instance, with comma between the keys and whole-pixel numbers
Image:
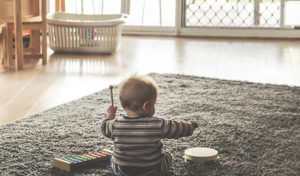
[{"x": 255, "y": 128}]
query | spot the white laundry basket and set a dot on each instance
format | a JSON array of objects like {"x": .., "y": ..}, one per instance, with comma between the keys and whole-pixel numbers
[{"x": 84, "y": 33}]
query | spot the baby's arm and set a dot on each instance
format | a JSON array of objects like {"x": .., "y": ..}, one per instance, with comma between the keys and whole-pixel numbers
[
  {"x": 106, "y": 124},
  {"x": 176, "y": 129}
]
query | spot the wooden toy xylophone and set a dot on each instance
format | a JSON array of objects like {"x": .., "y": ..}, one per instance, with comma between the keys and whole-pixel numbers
[{"x": 79, "y": 161}]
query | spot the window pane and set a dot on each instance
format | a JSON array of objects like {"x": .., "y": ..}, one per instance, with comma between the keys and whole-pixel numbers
[
  {"x": 233, "y": 13},
  {"x": 292, "y": 13}
]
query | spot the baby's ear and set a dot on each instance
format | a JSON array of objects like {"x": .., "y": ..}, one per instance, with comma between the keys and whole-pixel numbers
[{"x": 146, "y": 106}]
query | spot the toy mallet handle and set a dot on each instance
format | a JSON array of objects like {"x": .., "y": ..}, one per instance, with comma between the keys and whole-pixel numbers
[{"x": 111, "y": 95}]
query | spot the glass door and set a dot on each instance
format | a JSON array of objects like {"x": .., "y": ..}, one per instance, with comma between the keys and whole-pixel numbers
[
  {"x": 233, "y": 13},
  {"x": 245, "y": 18}
]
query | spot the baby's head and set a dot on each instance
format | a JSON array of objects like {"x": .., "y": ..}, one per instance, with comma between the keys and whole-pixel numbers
[{"x": 138, "y": 94}]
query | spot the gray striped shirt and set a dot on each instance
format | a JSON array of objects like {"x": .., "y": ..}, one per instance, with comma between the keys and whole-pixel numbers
[{"x": 137, "y": 140}]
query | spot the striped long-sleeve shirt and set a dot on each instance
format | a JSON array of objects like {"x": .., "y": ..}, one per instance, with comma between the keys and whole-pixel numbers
[{"x": 137, "y": 140}]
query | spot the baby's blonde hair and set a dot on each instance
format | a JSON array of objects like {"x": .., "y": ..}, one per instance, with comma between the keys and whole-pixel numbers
[{"x": 136, "y": 90}]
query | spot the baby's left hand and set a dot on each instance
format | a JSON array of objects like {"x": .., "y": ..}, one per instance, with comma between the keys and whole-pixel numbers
[
  {"x": 111, "y": 112},
  {"x": 195, "y": 124}
]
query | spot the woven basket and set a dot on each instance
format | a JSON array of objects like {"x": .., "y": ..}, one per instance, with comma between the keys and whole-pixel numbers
[{"x": 84, "y": 33}]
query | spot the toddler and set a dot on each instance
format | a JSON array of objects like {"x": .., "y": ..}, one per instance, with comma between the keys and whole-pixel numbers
[{"x": 136, "y": 135}]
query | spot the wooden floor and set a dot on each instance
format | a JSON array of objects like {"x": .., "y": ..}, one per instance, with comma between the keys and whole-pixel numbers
[{"x": 68, "y": 77}]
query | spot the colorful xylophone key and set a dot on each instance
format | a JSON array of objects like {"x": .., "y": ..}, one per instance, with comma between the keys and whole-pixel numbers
[{"x": 73, "y": 162}]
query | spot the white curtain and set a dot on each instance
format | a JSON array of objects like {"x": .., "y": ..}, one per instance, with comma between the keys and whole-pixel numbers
[
  {"x": 157, "y": 13},
  {"x": 93, "y": 6}
]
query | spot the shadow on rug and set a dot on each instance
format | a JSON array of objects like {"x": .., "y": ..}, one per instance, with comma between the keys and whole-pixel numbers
[{"x": 255, "y": 128}]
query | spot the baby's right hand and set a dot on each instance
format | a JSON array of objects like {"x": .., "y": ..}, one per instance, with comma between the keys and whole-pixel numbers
[
  {"x": 195, "y": 124},
  {"x": 111, "y": 111}
]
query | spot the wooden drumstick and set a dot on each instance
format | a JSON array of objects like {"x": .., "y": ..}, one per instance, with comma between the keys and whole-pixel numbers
[{"x": 111, "y": 95}]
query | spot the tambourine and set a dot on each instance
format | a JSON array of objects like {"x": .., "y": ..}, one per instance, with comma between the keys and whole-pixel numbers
[{"x": 200, "y": 155}]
